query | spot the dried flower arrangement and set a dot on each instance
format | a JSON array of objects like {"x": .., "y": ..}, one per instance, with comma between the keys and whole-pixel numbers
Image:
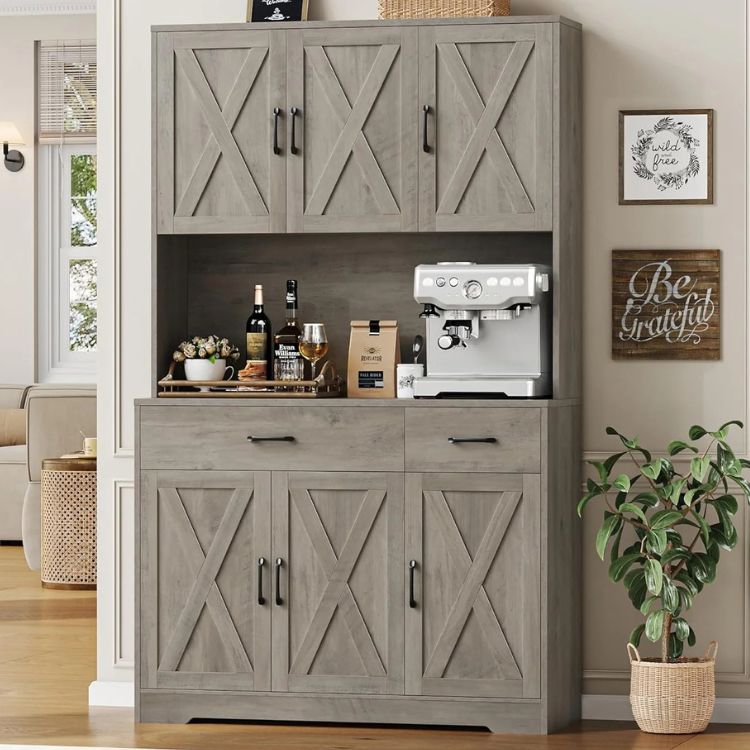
[{"x": 210, "y": 348}]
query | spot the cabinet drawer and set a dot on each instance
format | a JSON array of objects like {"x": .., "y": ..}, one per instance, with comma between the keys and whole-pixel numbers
[
  {"x": 433, "y": 440},
  {"x": 324, "y": 438}
]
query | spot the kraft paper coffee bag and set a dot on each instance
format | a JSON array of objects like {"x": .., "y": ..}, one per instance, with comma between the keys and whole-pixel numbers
[{"x": 374, "y": 352}]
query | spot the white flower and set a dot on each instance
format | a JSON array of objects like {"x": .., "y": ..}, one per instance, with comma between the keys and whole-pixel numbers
[
  {"x": 178, "y": 356},
  {"x": 202, "y": 353},
  {"x": 210, "y": 348},
  {"x": 189, "y": 351}
]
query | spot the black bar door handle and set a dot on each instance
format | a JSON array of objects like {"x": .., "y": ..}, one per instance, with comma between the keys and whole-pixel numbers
[
  {"x": 294, "y": 112},
  {"x": 283, "y": 439},
  {"x": 279, "y": 564},
  {"x": 261, "y": 565},
  {"x": 276, "y": 115},
  {"x": 456, "y": 441},
  {"x": 412, "y": 568},
  {"x": 425, "y": 141}
]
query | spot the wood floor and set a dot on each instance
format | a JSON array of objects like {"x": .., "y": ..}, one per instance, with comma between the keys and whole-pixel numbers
[{"x": 48, "y": 657}]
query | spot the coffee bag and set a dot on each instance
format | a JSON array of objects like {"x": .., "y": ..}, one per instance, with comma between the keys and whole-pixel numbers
[{"x": 374, "y": 352}]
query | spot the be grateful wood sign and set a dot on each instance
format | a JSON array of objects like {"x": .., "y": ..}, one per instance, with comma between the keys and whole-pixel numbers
[{"x": 666, "y": 305}]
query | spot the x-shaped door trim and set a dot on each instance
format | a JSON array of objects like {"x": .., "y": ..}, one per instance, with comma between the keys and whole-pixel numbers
[
  {"x": 485, "y": 136},
  {"x": 337, "y": 591},
  {"x": 352, "y": 139},
  {"x": 473, "y": 595},
  {"x": 221, "y": 123},
  {"x": 204, "y": 567}
]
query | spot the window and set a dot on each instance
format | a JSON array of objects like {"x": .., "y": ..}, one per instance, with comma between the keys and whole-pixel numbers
[{"x": 67, "y": 211}]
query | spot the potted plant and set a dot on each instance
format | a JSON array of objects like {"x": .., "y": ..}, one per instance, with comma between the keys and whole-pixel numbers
[
  {"x": 205, "y": 359},
  {"x": 665, "y": 531}
]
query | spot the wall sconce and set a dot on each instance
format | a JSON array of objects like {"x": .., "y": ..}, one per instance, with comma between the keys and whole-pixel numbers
[{"x": 9, "y": 135}]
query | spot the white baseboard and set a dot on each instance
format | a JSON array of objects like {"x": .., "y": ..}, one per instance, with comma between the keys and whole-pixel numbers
[
  {"x": 112, "y": 694},
  {"x": 593, "y": 707},
  {"x": 617, "y": 708}
]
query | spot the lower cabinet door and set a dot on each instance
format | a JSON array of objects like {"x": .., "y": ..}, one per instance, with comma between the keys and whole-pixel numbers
[
  {"x": 338, "y": 603},
  {"x": 205, "y": 613},
  {"x": 472, "y": 571}
]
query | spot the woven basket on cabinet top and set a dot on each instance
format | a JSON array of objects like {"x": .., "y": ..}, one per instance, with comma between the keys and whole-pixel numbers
[{"x": 398, "y": 9}]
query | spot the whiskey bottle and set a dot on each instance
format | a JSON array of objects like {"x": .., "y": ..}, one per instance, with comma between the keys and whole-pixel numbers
[
  {"x": 288, "y": 361},
  {"x": 259, "y": 341}
]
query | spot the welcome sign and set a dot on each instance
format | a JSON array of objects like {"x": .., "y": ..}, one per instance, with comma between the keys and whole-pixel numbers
[
  {"x": 666, "y": 305},
  {"x": 261, "y": 11}
]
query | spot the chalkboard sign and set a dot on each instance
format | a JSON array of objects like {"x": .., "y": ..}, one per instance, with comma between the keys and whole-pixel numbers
[
  {"x": 666, "y": 304},
  {"x": 262, "y": 11}
]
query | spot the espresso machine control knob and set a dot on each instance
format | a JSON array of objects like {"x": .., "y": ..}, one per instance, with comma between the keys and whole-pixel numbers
[
  {"x": 472, "y": 290},
  {"x": 448, "y": 341}
]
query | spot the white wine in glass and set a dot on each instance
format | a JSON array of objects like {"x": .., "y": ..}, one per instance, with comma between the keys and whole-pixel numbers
[{"x": 313, "y": 344}]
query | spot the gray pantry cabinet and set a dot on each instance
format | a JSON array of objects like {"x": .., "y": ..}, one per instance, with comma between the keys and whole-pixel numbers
[
  {"x": 374, "y": 128},
  {"x": 370, "y": 588},
  {"x": 345, "y": 560}
]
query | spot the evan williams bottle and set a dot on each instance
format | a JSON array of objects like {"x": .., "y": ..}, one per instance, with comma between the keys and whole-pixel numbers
[
  {"x": 259, "y": 342},
  {"x": 288, "y": 362}
]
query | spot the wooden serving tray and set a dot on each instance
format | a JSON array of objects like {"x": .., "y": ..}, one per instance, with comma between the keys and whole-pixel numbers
[{"x": 327, "y": 385}]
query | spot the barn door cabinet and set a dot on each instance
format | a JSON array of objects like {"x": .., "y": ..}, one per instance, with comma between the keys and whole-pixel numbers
[
  {"x": 399, "y": 595},
  {"x": 394, "y": 127},
  {"x": 371, "y": 569}
]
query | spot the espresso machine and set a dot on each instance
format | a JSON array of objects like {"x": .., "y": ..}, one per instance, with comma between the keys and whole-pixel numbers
[{"x": 489, "y": 330}]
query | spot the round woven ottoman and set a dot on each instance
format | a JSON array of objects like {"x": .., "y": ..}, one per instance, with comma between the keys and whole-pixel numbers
[{"x": 69, "y": 523}]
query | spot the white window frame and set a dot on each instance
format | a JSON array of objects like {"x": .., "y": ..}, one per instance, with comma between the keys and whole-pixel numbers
[{"x": 56, "y": 363}]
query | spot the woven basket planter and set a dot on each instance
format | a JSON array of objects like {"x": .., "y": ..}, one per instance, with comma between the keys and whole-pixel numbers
[
  {"x": 400, "y": 9},
  {"x": 674, "y": 698}
]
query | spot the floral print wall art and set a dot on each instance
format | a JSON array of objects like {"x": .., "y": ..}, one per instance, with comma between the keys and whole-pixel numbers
[{"x": 666, "y": 156}]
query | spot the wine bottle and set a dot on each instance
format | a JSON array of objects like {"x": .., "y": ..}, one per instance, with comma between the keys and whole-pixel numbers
[
  {"x": 259, "y": 341},
  {"x": 288, "y": 363}
]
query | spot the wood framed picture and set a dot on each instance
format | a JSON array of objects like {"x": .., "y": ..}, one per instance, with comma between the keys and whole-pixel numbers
[
  {"x": 666, "y": 304},
  {"x": 263, "y": 11},
  {"x": 666, "y": 156}
]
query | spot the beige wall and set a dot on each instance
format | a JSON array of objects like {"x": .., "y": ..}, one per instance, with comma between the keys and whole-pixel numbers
[
  {"x": 640, "y": 55},
  {"x": 637, "y": 54},
  {"x": 18, "y": 190}
]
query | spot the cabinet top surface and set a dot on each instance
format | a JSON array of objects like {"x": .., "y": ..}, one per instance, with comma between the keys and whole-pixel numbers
[
  {"x": 368, "y": 22},
  {"x": 359, "y": 402}
]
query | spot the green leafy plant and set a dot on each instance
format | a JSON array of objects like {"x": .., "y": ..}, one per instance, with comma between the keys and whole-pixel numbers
[{"x": 665, "y": 530}]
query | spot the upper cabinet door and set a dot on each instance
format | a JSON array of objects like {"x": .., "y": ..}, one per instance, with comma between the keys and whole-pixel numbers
[
  {"x": 217, "y": 168},
  {"x": 353, "y": 167},
  {"x": 487, "y": 142}
]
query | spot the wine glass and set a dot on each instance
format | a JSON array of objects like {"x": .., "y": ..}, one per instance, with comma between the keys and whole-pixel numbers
[{"x": 313, "y": 343}]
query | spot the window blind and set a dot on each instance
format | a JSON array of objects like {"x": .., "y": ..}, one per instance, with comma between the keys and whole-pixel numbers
[{"x": 67, "y": 90}]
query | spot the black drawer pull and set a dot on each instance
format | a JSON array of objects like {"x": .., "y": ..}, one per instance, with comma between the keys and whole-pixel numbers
[
  {"x": 279, "y": 564},
  {"x": 284, "y": 439},
  {"x": 456, "y": 441},
  {"x": 261, "y": 565},
  {"x": 294, "y": 112},
  {"x": 425, "y": 141},
  {"x": 276, "y": 115},
  {"x": 412, "y": 568}
]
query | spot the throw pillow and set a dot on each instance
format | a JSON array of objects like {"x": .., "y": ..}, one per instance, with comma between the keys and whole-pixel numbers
[{"x": 12, "y": 427}]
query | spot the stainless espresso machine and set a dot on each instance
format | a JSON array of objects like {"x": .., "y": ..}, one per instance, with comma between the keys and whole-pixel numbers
[{"x": 489, "y": 330}]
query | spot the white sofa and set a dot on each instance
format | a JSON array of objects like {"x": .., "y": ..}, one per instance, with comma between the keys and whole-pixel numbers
[
  {"x": 56, "y": 415},
  {"x": 13, "y": 475}
]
